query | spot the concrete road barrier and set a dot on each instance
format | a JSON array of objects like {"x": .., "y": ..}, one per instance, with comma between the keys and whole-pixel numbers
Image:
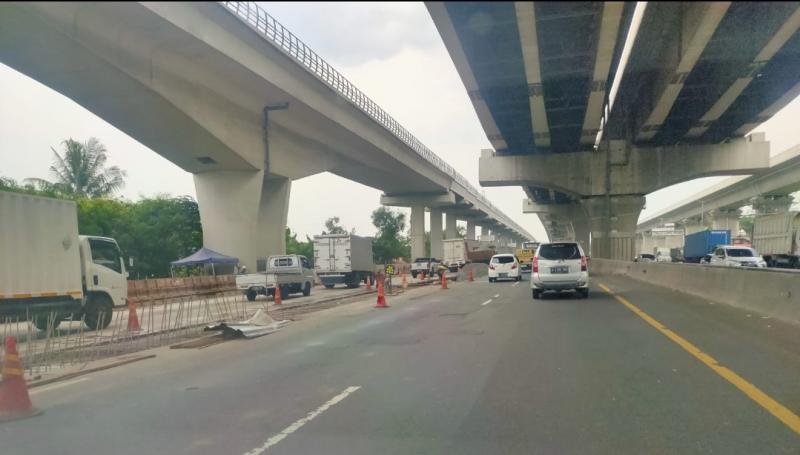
[{"x": 771, "y": 292}]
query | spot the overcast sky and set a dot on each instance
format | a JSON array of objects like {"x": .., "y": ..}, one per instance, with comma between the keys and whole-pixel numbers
[{"x": 391, "y": 51}]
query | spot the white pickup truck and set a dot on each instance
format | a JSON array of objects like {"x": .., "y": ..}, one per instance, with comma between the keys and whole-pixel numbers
[
  {"x": 426, "y": 265},
  {"x": 292, "y": 272}
]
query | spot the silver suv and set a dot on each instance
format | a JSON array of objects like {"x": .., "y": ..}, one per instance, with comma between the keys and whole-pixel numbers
[{"x": 560, "y": 266}]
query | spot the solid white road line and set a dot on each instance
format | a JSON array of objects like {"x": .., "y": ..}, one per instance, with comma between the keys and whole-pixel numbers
[
  {"x": 496, "y": 295},
  {"x": 486, "y": 302},
  {"x": 57, "y": 385},
  {"x": 515, "y": 284},
  {"x": 299, "y": 424}
]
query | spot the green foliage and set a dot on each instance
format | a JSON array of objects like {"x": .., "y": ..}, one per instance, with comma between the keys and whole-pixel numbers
[
  {"x": 332, "y": 226},
  {"x": 390, "y": 243},
  {"x": 81, "y": 171},
  {"x": 154, "y": 231},
  {"x": 294, "y": 246},
  {"x": 9, "y": 184},
  {"x": 746, "y": 224},
  {"x": 461, "y": 232}
]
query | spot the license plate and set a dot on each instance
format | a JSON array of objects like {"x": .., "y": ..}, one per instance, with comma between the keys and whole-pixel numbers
[
  {"x": 559, "y": 269},
  {"x": 503, "y": 275}
]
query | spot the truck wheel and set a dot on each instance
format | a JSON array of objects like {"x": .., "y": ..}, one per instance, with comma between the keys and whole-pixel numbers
[
  {"x": 285, "y": 291},
  {"x": 251, "y": 295},
  {"x": 307, "y": 289},
  {"x": 329, "y": 286},
  {"x": 99, "y": 311},
  {"x": 537, "y": 294},
  {"x": 41, "y": 321},
  {"x": 414, "y": 275}
]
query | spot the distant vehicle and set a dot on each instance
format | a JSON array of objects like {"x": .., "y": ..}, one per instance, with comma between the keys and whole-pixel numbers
[
  {"x": 343, "y": 259},
  {"x": 701, "y": 243},
  {"x": 291, "y": 272},
  {"x": 645, "y": 257},
  {"x": 662, "y": 254},
  {"x": 559, "y": 267},
  {"x": 676, "y": 254},
  {"x": 50, "y": 269},
  {"x": 777, "y": 237},
  {"x": 525, "y": 255},
  {"x": 504, "y": 267},
  {"x": 737, "y": 256},
  {"x": 424, "y": 265},
  {"x": 456, "y": 253},
  {"x": 706, "y": 259}
]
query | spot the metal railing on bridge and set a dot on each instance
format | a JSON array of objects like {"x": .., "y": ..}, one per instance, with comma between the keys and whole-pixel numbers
[{"x": 284, "y": 40}]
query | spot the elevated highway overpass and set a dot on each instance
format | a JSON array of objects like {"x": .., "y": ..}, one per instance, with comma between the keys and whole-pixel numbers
[
  {"x": 718, "y": 206},
  {"x": 589, "y": 106},
  {"x": 204, "y": 84}
]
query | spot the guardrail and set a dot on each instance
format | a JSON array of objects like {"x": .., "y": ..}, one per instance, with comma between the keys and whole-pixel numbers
[{"x": 284, "y": 40}]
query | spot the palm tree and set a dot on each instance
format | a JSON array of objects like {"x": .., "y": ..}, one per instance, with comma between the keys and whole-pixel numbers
[{"x": 81, "y": 171}]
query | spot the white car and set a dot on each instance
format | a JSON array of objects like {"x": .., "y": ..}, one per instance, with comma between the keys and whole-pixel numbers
[
  {"x": 560, "y": 266},
  {"x": 504, "y": 267},
  {"x": 737, "y": 256}
]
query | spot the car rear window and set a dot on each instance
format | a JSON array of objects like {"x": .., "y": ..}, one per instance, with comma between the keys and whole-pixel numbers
[
  {"x": 648, "y": 256},
  {"x": 740, "y": 252},
  {"x": 559, "y": 251},
  {"x": 502, "y": 259}
]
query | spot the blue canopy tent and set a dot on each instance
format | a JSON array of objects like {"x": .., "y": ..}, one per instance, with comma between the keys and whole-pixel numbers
[{"x": 205, "y": 256}]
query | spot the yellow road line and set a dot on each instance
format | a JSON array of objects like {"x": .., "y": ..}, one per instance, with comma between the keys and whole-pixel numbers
[{"x": 780, "y": 411}]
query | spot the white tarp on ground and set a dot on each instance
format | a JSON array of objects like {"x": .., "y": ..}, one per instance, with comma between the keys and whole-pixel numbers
[{"x": 259, "y": 324}]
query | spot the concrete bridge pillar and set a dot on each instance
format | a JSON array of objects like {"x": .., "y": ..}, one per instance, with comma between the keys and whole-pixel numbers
[
  {"x": 436, "y": 233},
  {"x": 692, "y": 225},
  {"x": 243, "y": 213},
  {"x": 726, "y": 219},
  {"x": 417, "y": 231},
  {"x": 450, "y": 231},
  {"x": 470, "y": 230},
  {"x": 613, "y": 223}
]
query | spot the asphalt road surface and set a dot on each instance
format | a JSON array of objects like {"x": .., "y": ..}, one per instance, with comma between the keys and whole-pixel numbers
[{"x": 477, "y": 369}]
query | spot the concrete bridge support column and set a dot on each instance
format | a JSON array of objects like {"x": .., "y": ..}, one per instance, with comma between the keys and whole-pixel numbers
[
  {"x": 692, "y": 225},
  {"x": 726, "y": 219},
  {"x": 450, "y": 231},
  {"x": 470, "y": 230},
  {"x": 436, "y": 233},
  {"x": 417, "y": 232},
  {"x": 613, "y": 224},
  {"x": 243, "y": 213}
]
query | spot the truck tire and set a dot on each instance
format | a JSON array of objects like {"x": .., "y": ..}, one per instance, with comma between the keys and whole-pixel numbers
[
  {"x": 414, "y": 275},
  {"x": 285, "y": 291},
  {"x": 307, "y": 289},
  {"x": 251, "y": 295},
  {"x": 98, "y": 304},
  {"x": 41, "y": 321}
]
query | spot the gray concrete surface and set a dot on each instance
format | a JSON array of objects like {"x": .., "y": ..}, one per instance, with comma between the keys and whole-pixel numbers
[
  {"x": 770, "y": 292},
  {"x": 477, "y": 369}
]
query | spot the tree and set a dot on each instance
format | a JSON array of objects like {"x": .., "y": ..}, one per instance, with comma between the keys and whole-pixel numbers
[
  {"x": 81, "y": 171},
  {"x": 294, "y": 246},
  {"x": 390, "y": 243},
  {"x": 461, "y": 232},
  {"x": 746, "y": 224},
  {"x": 332, "y": 226}
]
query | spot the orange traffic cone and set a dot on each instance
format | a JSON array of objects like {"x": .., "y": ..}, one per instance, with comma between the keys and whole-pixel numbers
[
  {"x": 369, "y": 283},
  {"x": 405, "y": 282},
  {"x": 444, "y": 280},
  {"x": 470, "y": 276},
  {"x": 381, "y": 297},
  {"x": 133, "y": 318},
  {"x": 277, "y": 297},
  {"x": 14, "y": 400}
]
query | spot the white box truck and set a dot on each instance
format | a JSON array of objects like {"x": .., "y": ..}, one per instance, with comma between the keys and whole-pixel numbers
[
  {"x": 343, "y": 259},
  {"x": 456, "y": 252},
  {"x": 47, "y": 268},
  {"x": 777, "y": 238}
]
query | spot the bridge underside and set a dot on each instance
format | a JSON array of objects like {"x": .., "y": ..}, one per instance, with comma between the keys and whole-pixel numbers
[{"x": 544, "y": 78}]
